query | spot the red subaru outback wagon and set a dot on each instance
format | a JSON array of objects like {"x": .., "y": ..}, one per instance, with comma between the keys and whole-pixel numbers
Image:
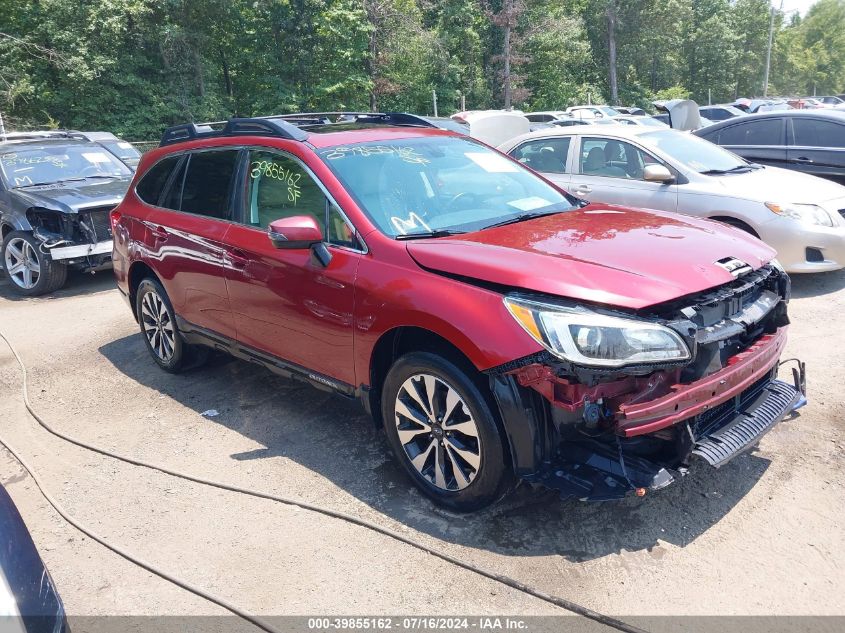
[{"x": 496, "y": 327}]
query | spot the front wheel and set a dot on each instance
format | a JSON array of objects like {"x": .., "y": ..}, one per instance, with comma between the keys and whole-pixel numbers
[
  {"x": 444, "y": 433},
  {"x": 31, "y": 271}
]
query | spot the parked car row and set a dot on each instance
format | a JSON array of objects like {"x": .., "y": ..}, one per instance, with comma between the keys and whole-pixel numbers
[{"x": 802, "y": 217}]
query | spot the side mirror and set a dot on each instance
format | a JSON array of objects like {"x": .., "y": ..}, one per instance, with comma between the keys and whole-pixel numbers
[
  {"x": 296, "y": 232},
  {"x": 657, "y": 173}
]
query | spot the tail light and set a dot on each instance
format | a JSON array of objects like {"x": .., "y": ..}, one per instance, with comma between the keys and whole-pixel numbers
[{"x": 115, "y": 216}]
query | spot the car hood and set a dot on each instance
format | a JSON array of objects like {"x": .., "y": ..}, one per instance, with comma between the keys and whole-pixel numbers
[
  {"x": 773, "y": 184},
  {"x": 70, "y": 197},
  {"x": 600, "y": 254}
]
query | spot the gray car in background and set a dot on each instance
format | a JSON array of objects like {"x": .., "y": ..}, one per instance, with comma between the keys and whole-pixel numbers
[
  {"x": 801, "y": 216},
  {"x": 809, "y": 141},
  {"x": 56, "y": 193},
  {"x": 124, "y": 150}
]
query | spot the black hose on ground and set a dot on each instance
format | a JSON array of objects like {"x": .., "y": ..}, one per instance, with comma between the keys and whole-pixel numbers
[{"x": 563, "y": 603}]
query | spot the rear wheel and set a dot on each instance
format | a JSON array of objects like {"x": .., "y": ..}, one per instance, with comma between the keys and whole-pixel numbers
[
  {"x": 444, "y": 433},
  {"x": 31, "y": 271},
  {"x": 158, "y": 328}
]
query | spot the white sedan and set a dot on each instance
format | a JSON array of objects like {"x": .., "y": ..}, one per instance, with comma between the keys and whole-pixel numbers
[{"x": 801, "y": 216}]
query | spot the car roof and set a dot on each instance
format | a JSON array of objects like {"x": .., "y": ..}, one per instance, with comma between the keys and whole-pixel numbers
[
  {"x": 101, "y": 136},
  {"x": 34, "y": 143},
  {"x": 833, "y": 115},
  {"x": 622, "y": 131},
  {"x": 371, "y": 134}
]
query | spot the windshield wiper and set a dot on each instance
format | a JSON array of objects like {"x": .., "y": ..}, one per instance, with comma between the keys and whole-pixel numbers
[
  {"x": 61, "y": 180},
  {"x": 424, "y": 234},
  {"x": 522, "y": 217},
  {"x": 733, "y": 170}
]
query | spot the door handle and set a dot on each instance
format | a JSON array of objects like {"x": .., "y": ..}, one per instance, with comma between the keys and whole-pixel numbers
[
  {"x": 582, "y": 188},
  {"x": 159, "y": 233},
  {"x": 804, "y": 159},
  {"x": 237, "y": 258}
]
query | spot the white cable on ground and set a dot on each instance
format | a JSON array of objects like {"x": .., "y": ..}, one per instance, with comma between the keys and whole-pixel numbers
[
  {"x": 349, "y": 518},
  {"x": 132, "y": 557}
]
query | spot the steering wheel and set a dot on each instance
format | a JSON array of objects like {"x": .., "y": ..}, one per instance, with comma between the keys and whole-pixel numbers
[
  {"x": 462, "y": 197},
  {"x": 91, "y": 170}
]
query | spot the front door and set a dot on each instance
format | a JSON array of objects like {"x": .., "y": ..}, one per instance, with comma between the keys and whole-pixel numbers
[
  {"x": 285, "y": 302},
  {"x": 818, "y": 147},
  {"x": 611, "y": 171}
]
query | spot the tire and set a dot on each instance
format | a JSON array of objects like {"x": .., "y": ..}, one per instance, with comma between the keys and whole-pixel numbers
[
  {"x": 157, "y": 321},
  {"x": 738, "y": 224},
  {"x": 41, "y": 276},
  {"x": 466, "y": 444}
]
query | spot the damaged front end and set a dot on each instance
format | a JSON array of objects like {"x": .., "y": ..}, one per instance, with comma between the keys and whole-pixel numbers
[
  {"x": 625, "y": 406},
  {"x": 82, "y": 238}
]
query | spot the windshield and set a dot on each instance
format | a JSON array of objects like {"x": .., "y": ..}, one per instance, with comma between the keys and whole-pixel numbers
[
  {"x": 734, "y": 110},
  {"x": 56, "y": 163},
  {"x": 652, "y": 122},
  {"x": 693, "y": 152},
  {"x": 452, "y": 126},
  {"x": 121, "y": 149},
  {"x": 439, "y": 183},
  {"x": 608, "y": 111}
]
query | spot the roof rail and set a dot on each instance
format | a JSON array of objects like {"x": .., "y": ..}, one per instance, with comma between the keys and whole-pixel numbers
[
  {"x": 328, "y": 118},
  {"x": 288, "y": 126},
  {"x": 255, "y": 126}
]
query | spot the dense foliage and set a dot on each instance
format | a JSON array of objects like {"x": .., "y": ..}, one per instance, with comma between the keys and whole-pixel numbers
[{"x": 133, "y": 66}]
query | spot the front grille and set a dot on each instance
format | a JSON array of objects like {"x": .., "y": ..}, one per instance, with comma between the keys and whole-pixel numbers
[
  {"x": 724, "y": 321},
  {"x": 708, "y": 421},
  {"x": 97, "y": 222}
]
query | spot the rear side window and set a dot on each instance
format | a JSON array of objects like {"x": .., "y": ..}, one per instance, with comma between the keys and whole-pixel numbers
[
  {"x": 715, "y": 114},
  {"x": 207, "y": 188},
  {"x": 817, "y": 133},
  {"x": 152, "y": 184},
  {"x": 764, "y": 132},
  {"x": 544, "y": 155}
]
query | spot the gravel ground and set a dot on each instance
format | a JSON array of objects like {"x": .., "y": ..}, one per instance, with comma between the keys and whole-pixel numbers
[{"x": 762, "y": 536}]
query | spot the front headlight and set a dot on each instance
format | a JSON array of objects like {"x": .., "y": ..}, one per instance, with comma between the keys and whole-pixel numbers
[
  {"x": 807, "y": 213},
  {"x": 585, "y": 337}
]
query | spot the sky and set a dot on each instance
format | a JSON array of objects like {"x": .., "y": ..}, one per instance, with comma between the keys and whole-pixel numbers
[{"x": 789, "y": 5}]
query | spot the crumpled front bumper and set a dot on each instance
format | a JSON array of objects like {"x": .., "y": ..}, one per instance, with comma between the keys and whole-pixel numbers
[{"x": 594, "y": 471}]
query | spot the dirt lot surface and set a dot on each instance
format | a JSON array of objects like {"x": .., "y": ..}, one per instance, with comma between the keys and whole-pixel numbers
[{"x": 762, "y": 536}]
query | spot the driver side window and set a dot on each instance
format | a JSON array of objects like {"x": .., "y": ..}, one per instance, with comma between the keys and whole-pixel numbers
[
  {"x": 612, "y": 158},
  {"x": 281, "y": 187}
]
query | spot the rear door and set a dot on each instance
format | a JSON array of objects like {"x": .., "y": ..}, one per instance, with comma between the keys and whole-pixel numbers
[
  {"x": 184, "y": 238},
  {"x": 611, "y": 170},
  {"x": 549, "y": 156},
  {"x": 817, "y": 147},
  {"x": 758, "y": 140},
  {"x": 285, "y": 302}
]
